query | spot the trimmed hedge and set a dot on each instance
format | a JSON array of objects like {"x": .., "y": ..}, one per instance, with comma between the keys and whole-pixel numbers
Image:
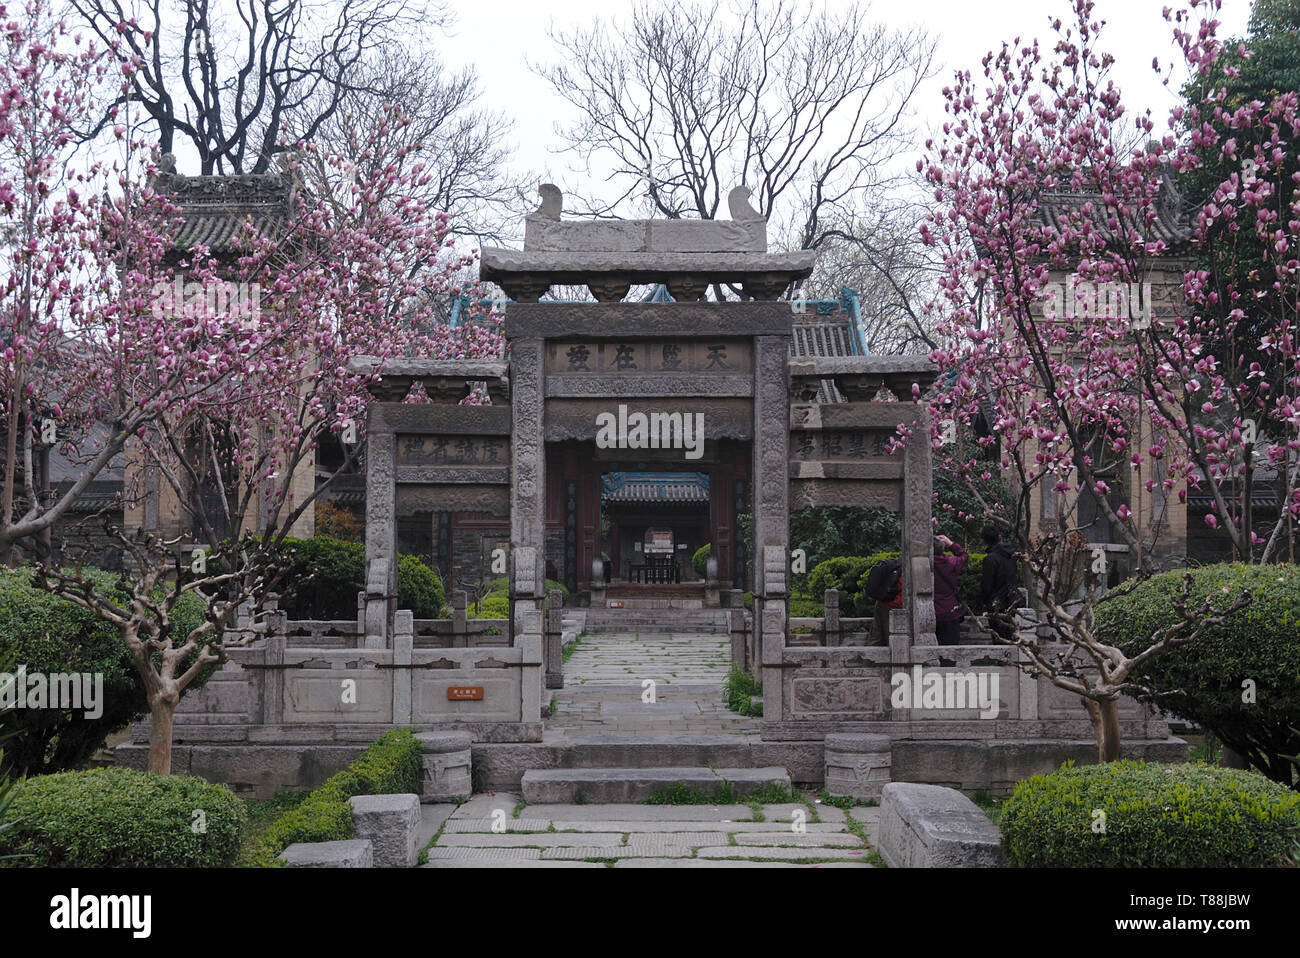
[
  {"x": 122, "y": 818},
  {"x": 501, "y": 586},
  {"x": 340, "y": 573},
  {"x": 51, "y": 635},
  {"x": 700, "y": 557},
  {"x": 390, "y": 766},
  {"x": 493, "y": 607},
  {"x": 1157, "y": 816},
  {"x": 1260, "y": 642}
]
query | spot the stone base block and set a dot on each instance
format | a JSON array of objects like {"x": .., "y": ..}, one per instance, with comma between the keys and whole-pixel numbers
[
  {"x": 448, "y": 766},
  {"x": 857, "y": 765},
  {"x": 354, "y": 853},
  {"x": 929, "y": 826},
  {"x": 390, "y": 823}
]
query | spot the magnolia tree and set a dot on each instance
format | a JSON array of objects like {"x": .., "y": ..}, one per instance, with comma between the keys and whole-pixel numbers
[
  {"x": 218, "y": 397},
  {"x": 1101, "y": 407}
]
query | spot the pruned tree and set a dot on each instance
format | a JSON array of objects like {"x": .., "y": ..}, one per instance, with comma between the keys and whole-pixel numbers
[
  {"x": 226, "y": 78},
  {"x": 686, "y": 101}
]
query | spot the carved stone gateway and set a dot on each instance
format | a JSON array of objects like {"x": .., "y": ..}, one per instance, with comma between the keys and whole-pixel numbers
[{"x": 785, "y": 431}]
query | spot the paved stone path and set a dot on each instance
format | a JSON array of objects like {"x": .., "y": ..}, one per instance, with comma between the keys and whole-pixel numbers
[
  {"x": 603, "y": 685},
  {"x": 492, "y": 830}
]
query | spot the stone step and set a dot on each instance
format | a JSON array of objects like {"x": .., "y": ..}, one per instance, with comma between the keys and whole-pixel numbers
[{"x": 609, "y": 785}]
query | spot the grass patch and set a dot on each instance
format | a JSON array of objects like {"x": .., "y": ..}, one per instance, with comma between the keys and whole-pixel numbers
[
  {"x": 567, "y": 652},
  {"x": 988, "y": 803},
  {"x": 738, "y": 692},
  {"x": 679, "y": 793},
  {"x": 845, "y": 802}
]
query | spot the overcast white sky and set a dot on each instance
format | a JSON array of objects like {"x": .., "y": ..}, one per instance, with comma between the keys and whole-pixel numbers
[{"x": 500, "y": 36}]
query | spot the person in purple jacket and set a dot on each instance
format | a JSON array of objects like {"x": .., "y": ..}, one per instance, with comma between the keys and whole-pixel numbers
[{"x": 948, "y": 610}]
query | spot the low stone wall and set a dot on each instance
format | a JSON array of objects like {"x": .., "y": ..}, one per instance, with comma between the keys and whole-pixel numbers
[{"x": 386, "y": 829}]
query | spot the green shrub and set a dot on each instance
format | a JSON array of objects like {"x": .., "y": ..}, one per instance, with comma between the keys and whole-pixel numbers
[
  {"x": 700, "y": 558},
  {"x": 46, "y": 634},
  {"x": 801, "y": 608},
  {"x": 418, "y": 588},
  {"x": 121, "y": 818},
  {"x": 390, "y": 766},
  {"x": 326, "y": 575},
  {"x": 841, "y": 573},
  {"x": 495, "y": 606},
  {"x": 1260, "y": 642},
  {"x": 1156, "y": 816},
  {"x": 501, "y": 586},
  {"x": 738, "y": 691}
]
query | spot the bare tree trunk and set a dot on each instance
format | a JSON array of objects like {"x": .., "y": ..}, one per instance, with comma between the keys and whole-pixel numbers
[
  {"x": 1104, "y": 718},
  {"x": 1110, "y": 734},
  {"x": 162, "y": 708}
]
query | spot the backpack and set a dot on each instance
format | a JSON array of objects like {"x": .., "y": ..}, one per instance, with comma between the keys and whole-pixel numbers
[
  {"x": 1007, "y": 597},
  {"x": 884, "y": 581}
]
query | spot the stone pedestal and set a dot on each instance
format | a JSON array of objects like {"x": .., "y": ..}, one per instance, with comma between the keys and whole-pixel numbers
[
  {"x": 857, "y": 765},
  {"x": 390, "y": 823},
  {"x": 447, "y": 766}
]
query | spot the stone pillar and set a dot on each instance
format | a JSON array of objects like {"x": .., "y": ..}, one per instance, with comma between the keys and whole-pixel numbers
[
  {"x": 554, "y": 652},
  {"x": 403, "y": 644},
  {"x": 831, "y": 629},
  {"x": 527, "y": 516},
  {"x": 381, "y": 533},
  {"x": 739, "y": 649},
  {"x": 712, "y": 597},
  {"x": 918, "y": 532},
  {"x": 771, "y": 511},
  {"x": 459, "y": 618},
  {"x": 273, "y": 689}
]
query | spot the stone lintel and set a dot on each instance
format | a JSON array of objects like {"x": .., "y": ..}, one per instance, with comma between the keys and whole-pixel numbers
[
  {"x": 837, "y": 470},
  {"x": 454, "y": 475},
  {"x": 852, "y": 415},
  {"x": 439, "y": 419},
  {"x": 724, "y": 418},
  {"x": 636, "y": 386},
  {"x": 647, "y": 320},
  {"x": 453, "y": 497},
  {"x": 876, "y": 493}
]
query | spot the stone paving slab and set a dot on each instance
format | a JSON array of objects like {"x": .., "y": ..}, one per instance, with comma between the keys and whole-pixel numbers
[
  {"x": 717, "y": 863},
  {"x": 432, "y": 818},
  {"x": 693, "y": 827},
  {"x": 535, "y": 839},
  {"x": 819, "y": 840},
  {"x": 485, "y": 854},
  {"x": 657, "y": 850},
  {"x": 462, "y": 825},
  {"x": 865, "y": 814},
  {"x": 759, "y": 851},
  {"x": 513, "y": 863},
  {"x": 483, "y": 804},
  {"x": 633, "y": 812}
]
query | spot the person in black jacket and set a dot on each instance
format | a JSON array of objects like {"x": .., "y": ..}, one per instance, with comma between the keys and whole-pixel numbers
[{"x": 999, "y": 583}]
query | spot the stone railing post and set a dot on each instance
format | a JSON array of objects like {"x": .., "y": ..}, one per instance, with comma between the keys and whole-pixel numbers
[
  {"x": 361, "y": 618},
  {"x": 712, "y": 597},
  {"x": 739, "y": 646},
  {"x": 459, "y": 619},
  {"x": 403, "y": 644},
  {"x": 831, "y": 629},
  {"x": 598, "y": 581},
  {"x": 376, "y": 634},
  {"x": 273, "y": 688},
  {"x": 553, "y": 656}
]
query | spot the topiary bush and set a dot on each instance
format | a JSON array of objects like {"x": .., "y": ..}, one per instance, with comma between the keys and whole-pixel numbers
[
  {"x": 1156, "y": 816},
  {"x": 841, "y": 573},
  {"x": 701, "y": 557},
  {"x": 326, "y": 574},
  {"x": 418, "y": 588},
  {"x": 121, "y": 818},
  {"x": 1260, "y": 643},
  {"x": 495, "y": 606},
  {"x": 390, "y": 766},
  {"x": 46, "y": 634}
]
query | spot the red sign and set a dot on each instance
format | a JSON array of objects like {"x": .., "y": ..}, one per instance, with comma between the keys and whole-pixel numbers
[{"x": 465, "y": 693}]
